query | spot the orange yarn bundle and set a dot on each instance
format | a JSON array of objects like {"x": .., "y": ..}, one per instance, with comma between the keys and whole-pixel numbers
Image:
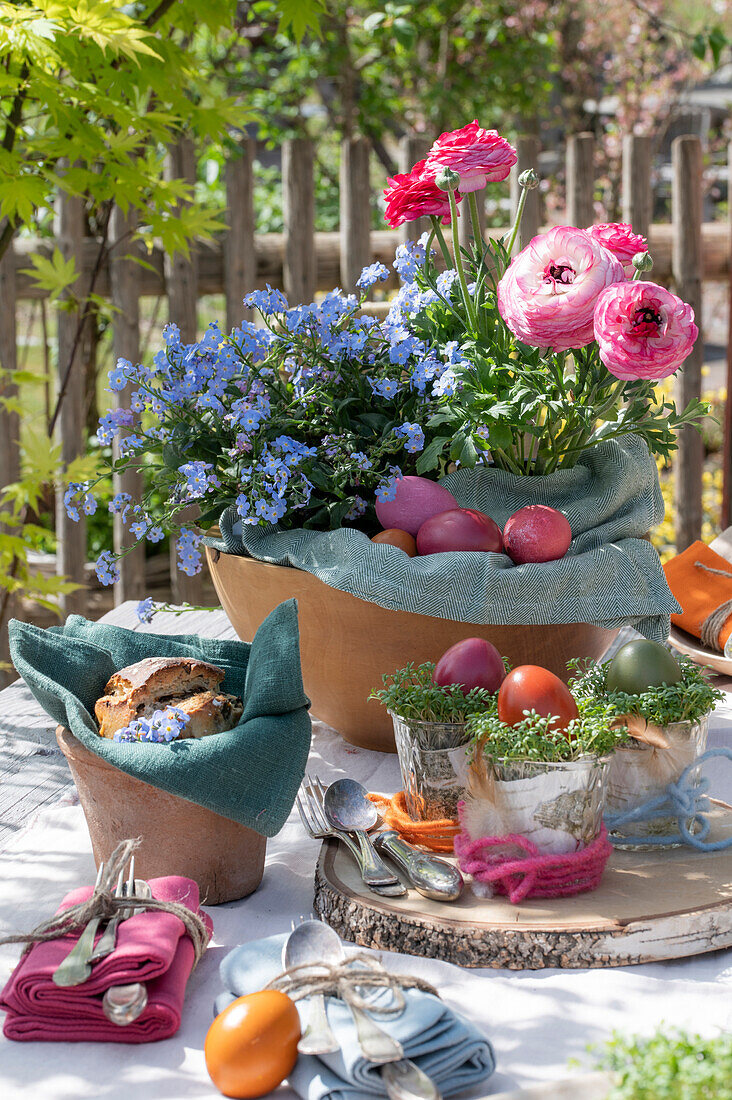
[{"x": 437, "y": 836}]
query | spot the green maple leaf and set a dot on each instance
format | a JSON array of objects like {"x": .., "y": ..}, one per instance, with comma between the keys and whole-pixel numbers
[
  {"x": 299, "y": 16},
  {"x": 55, "y": 274}
]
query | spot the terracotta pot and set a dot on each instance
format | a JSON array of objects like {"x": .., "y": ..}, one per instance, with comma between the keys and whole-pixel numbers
[
  {"x": 346, "y": 643},
  {"x": 178, "y": 837}
]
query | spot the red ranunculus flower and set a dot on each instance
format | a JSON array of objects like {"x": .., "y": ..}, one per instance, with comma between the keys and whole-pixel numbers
[
  {"x": 479, "y": 156},
  {"x": 415, "y": 195}
]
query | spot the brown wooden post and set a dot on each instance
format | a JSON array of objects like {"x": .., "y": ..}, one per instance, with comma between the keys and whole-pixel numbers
[
  {"x": 181, "y": 281},
  {"x": 686, "y": 200},
  {"x": 355, "y": 203},
  {"x": 124, "y": 274},
  {"x": 637, "y": 195},
  {"x": 580, "y": 180},
  {"x": 240, "y": 260},
  {"x": 298, "y": 209},
  {"x": 726, "y": 516},
  {"x": 9, "y": 420},
  {"x": 465, "y": 222},
  {"x": 527, "y": 151},
  {"x": 181, "y": 272},
  {"x": 70, "y": 425},
  {"x": 412, "y": 149}
]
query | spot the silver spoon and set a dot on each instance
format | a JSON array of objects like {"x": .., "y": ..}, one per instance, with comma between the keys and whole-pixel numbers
[
  {"x": 434, "y": 878},
  {"x": 122, "y": 1004},
  {"x": 347, "y": 809},
  {"x": 376, "y": 1045},
  {"x": 402, "y": 1079},
  {"x": 304, "y": 946}
]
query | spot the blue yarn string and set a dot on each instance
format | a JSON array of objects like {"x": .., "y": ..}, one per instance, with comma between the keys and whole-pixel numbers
[{"x": 687, "y": 802}]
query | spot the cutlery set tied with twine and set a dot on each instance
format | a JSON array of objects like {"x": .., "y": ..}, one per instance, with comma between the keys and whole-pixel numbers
[
  {"x": 343, "y": 811},
  {"x": 113, "y": 962},
  {"x": 365, "y": 1029},
  {"x": 315, "y": 964}
]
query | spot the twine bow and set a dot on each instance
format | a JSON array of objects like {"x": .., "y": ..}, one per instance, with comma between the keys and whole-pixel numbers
[
  {"x": 104, "y": 904},
  {"x": 344, "y": 981},
  {"x": 715, "y": 620}
]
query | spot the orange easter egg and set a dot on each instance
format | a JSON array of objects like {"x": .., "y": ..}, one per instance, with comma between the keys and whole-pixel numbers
[{"x": 393, "y": 536}]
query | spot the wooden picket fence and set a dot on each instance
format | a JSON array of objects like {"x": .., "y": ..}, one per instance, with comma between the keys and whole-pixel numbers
[{"x": 303, "y": 262}]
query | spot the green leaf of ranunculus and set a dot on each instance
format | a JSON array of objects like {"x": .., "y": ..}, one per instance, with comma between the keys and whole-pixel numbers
[
  {"x": 457, "y": 445},
  {"x": 500, "y": 435},
  {"x": 469, "y": 454}
]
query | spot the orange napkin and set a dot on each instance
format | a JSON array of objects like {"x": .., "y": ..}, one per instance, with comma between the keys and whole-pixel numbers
[{"x": 698, "y": 591}]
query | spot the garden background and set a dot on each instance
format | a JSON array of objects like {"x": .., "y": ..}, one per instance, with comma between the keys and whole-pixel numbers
[{"x": 159, "y": 160}]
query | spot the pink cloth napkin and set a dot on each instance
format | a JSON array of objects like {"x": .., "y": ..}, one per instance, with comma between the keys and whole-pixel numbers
[{"x": 152, "y": 947}]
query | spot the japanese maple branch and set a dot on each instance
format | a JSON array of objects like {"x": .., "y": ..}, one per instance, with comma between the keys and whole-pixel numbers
[
  {"x": 157, "y": 13},
  {"x": 11, "y": 129}
]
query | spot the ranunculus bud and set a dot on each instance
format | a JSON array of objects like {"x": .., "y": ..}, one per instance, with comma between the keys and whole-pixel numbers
[
  {"x": 528, "y": 179},
  {"x": 447, "y": 180},
  {"x": 642, "y": 261}
]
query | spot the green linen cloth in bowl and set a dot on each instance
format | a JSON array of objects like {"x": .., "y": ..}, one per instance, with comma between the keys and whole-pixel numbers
[
  {"x": 250, "y": 773},
  {"x": 611, "y": 575}
]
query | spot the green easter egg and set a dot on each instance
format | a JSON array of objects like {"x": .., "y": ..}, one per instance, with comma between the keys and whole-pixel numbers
[{"x": 640, "y": 665}]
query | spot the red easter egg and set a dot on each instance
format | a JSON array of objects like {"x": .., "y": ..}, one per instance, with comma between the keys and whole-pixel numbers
[
  {"x": 459, "y": 529},
  {"x": 531, "y": 687},
  {"x": 536, "y": 533},
  {"x": 472, "y": 663}
]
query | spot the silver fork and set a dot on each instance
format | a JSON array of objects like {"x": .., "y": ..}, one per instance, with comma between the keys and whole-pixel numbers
[
  {"x": 108, "y": 941},
  {"x": 310, "y": 807}
]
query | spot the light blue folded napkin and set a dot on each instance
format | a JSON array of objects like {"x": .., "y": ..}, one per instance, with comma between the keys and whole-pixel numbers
[{"x": 446, "y": 1046}]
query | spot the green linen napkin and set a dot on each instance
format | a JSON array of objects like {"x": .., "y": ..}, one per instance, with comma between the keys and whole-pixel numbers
[{"x": 250, "y": 773}]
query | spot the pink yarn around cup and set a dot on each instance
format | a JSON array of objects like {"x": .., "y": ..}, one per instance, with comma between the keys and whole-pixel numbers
[{"x": 532, "y": 875}]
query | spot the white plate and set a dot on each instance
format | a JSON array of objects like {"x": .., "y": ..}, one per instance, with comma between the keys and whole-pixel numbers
[{"x": 692, "y": 647}]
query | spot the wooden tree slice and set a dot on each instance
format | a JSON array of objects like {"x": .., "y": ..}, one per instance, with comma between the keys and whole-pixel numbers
[{"x": 649, "y": 906}]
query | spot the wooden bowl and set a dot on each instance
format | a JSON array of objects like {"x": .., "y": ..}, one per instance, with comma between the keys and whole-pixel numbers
[
  {"x": 346, "y": 644},
  {"x": 179, "y": 837}
]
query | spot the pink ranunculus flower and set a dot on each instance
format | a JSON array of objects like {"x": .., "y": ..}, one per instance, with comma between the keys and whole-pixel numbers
[
  {"x": 642, "y": 330},
  {"x": 479, "y": 156},
  {"x": 414, "y": 195},
  {"x": 547, "y": 296},
  {"x": 618, "y": 238}
]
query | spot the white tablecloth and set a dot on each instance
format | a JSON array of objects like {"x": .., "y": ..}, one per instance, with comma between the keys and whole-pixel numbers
[{"x": 536, "y": 1020}]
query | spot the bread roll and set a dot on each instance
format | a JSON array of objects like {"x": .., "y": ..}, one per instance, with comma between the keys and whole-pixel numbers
[{"x": 157, "y": 682}]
